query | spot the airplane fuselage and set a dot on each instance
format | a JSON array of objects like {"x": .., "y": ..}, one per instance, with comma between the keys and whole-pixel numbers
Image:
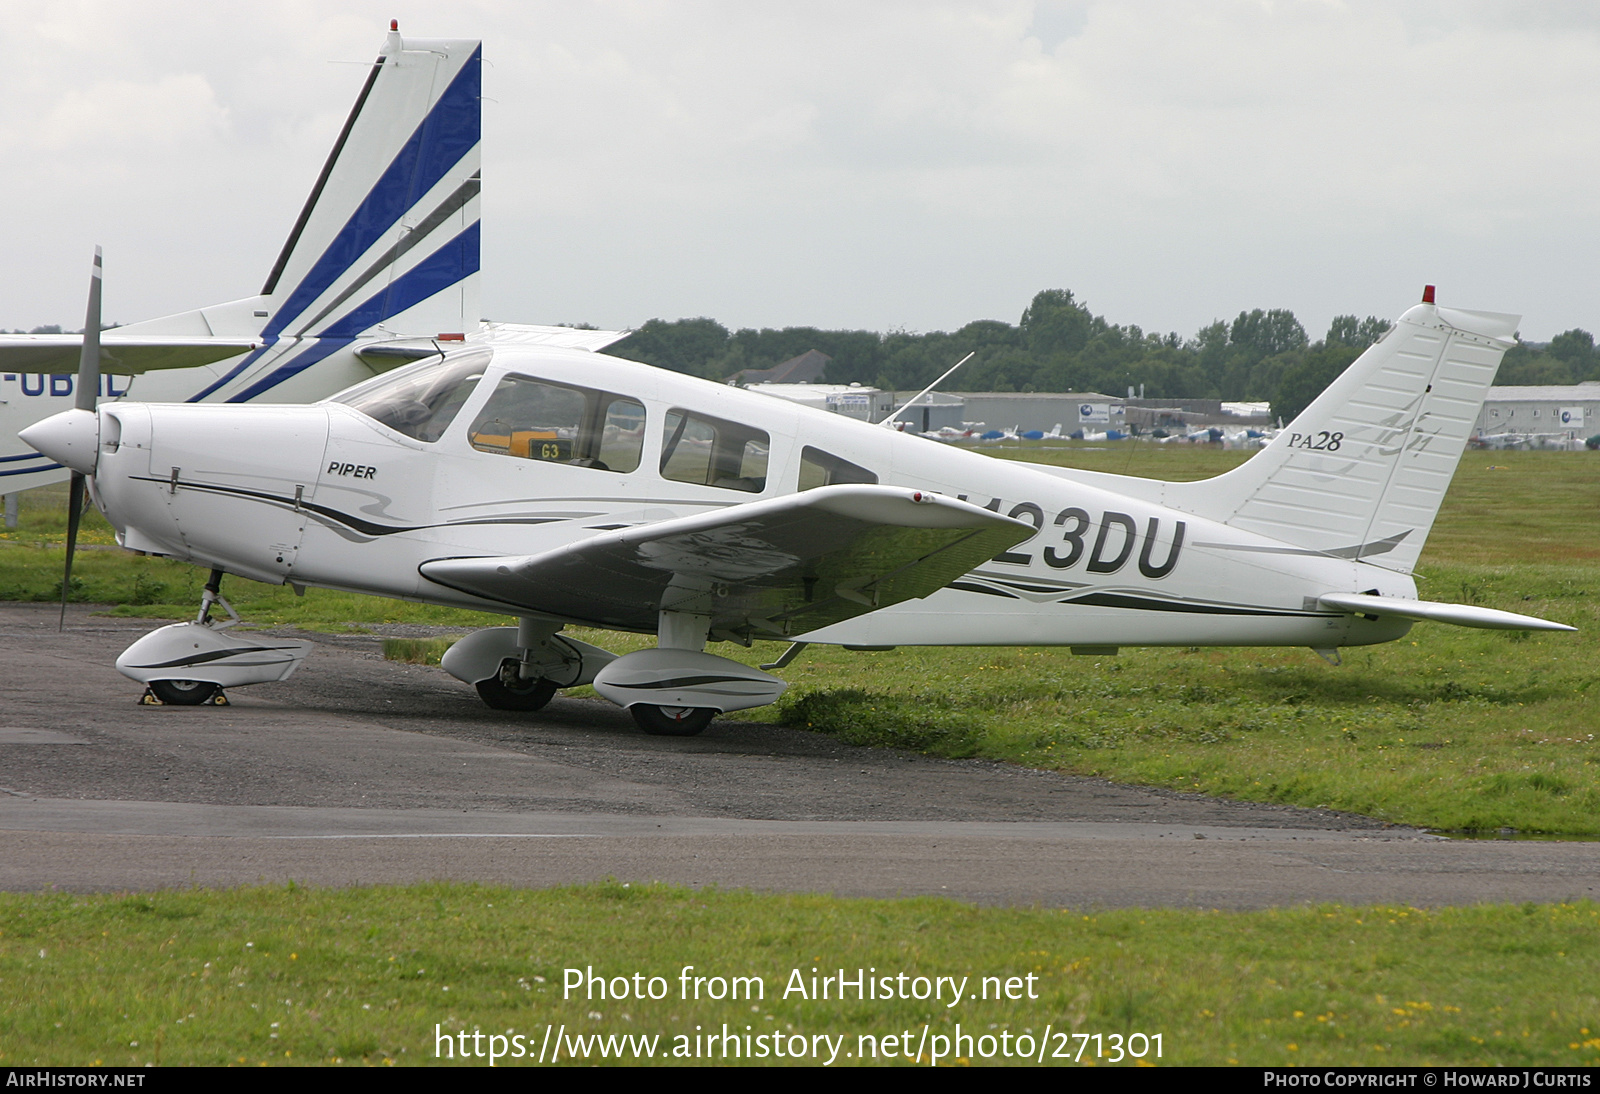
[{"x": 327, "y": 495}]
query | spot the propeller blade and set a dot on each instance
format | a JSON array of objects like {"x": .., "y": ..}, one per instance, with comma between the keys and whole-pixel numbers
[
  {"x": 88, "y": 390},
  {"x": 74, "y": 511},
  {"x": 84, "y": 398}
]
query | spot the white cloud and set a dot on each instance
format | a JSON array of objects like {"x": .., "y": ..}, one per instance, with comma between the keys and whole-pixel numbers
[
  {"x": 173, "y": 111},
  {"x": 899, "y": 163}
]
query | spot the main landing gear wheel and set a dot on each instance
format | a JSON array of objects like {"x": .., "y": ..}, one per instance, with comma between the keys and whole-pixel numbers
[
  {"x": 509, "y": 691},
  {"x": 671, "y": 721},
  {"x": 183, "y": 693}
]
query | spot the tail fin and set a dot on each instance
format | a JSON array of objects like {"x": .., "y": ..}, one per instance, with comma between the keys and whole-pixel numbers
[
  {"x": 1361, "y": 472},
  {"x": 389, "y": 235},
  {"x": 386, "y": 246}
]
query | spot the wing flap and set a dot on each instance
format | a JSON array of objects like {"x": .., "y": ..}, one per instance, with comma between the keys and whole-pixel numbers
[
  {"x": 766, "y": 569},
  {"x": 1462, "y": 615}
]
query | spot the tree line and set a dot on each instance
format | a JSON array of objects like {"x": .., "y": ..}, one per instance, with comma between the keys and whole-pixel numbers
[{"x": 1060, "y": 345}]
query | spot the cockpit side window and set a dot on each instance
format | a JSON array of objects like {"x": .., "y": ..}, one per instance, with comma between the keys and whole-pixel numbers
[
  {"x": 819, "y": 468},
  {"x": 713, "y": 452},
  {"x": 423, "y": 399},
  {"x": 557, "y": 423}
]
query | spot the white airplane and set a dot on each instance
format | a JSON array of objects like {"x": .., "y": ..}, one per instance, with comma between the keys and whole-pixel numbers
[
  {"x": 567, "y": 487},
  {"x": 382, "y": 261}
]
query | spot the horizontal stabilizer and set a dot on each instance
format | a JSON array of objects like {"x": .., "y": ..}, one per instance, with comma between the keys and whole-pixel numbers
[
  {"x": 128, "y": 355},
  {"x": 1462, "y": 615},
  {"x": 764, "y": 569}
]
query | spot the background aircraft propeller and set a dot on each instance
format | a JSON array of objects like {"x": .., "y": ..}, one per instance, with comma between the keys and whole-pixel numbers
[{"x": 85, "y": 396}]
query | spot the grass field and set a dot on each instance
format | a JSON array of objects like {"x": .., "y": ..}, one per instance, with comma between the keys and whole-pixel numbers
[
  {"x": 295, "y": 976},
  {"x": 1449, "y": 728}
]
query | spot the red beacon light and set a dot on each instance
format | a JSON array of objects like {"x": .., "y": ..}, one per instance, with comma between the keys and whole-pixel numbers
[
  {"x": 394, "y": 25},
  {"x": 1427, "y": 294}
]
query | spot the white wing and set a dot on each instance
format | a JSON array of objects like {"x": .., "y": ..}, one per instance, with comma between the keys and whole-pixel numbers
[{"x": 765, "y": 569}]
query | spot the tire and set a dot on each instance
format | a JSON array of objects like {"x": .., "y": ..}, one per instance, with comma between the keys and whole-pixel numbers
[
  {"x": 509, "y": 691},
  {"x": 671, "y": 721},
  {"x": 183, "y": 693}
]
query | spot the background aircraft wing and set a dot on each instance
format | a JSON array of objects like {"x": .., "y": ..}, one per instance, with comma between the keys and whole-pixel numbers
[
  {"x": 394, "y": 352},
  {"x": 530, "y": 334},
  {"x": 128, "y": 355},
  {"x": 765, "y": 569}
]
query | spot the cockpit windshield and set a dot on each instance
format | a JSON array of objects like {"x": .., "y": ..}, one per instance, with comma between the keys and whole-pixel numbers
[{"x": 421, "y": 400}]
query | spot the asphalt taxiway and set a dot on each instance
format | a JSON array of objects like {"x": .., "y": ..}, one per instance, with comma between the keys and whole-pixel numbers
[{"x": 360, "y": 771}]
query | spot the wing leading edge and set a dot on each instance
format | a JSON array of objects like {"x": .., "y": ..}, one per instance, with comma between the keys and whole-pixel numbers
[{"x": 765, "y": 569}]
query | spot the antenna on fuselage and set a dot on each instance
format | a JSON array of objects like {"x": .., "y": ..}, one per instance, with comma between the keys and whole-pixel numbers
[{"x": 888, "y": 423}]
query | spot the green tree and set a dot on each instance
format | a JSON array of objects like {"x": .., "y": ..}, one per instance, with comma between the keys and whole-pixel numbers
[
  {"x": 1258, "y": 342},
  {"x": 682, "y": 345},
  {"x": 1055, "y": 323},
  {"x": 1356, "y": 333},
  {"x": 1534, "y": 369},
  {"x": 1268, "y": 333},
  {"x": 1302, "y": 380},
  {"x": 1576, "y": 349}
]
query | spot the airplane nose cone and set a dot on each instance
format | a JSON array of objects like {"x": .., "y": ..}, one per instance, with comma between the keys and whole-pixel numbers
[{"x": 71, "y": 438}]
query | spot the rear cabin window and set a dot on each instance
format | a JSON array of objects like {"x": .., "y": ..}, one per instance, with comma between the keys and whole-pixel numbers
[
  {"x": 713, "y": 452},
  {"x": 819, "y": 468},
  {"x": 536, "y": 420}
]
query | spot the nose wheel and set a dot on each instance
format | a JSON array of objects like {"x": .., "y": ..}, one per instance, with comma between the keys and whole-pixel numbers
[
  {"x": 184, "y": 693},
  {"x": 671, "y": 721}
]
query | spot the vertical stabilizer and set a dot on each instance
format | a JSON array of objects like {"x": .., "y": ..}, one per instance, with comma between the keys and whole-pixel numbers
[
  {"x": 389, "y": 235},
  {"x": 386, "y": 247},
  {"x": 1361, "y": 472}
]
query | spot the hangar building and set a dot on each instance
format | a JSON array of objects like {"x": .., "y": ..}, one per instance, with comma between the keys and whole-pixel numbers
[{"x": 1573, "y": 409}]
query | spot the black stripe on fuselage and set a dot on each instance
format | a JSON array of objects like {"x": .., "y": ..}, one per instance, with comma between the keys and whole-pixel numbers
[
  {"x": 1151, "y": 604},
  {"x": 1359, "y": 551},
  {"x": 357, "y": 524}
]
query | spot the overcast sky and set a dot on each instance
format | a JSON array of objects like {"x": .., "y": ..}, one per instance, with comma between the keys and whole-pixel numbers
[{"x": 876, "y": 165}]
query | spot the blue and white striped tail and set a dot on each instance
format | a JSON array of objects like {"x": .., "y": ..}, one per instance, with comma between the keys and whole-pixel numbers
[
  {"x": 385, "y": 248},
  {"x": 388, "y": 243}
]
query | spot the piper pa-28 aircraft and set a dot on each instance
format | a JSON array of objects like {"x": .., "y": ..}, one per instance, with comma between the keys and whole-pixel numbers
[
  {"x": 520, "y": 471},
  {"x": 381, "y": 264},
  {"x": 564, "y": 487}
]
